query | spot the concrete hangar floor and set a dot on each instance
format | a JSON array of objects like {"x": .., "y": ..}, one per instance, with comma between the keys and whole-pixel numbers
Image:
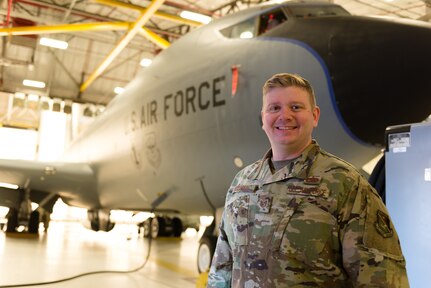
[{"x": 68, "y": 250}]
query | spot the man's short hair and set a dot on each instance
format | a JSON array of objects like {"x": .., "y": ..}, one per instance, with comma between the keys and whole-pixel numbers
[{"x": 289, "y": 80}]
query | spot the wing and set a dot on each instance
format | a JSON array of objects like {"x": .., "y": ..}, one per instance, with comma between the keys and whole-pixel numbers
[{"x": 75, "y": 183}]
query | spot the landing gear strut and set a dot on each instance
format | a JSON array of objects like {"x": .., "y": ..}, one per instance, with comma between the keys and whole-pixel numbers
[{"x": 13, "y": 221}]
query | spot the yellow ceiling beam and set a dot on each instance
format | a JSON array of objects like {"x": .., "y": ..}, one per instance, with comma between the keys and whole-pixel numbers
[
  {"x": 152, "y": 8},
  {"x": 161, "y": 15},
  {"x": 64, "y": 28},
  {"x": 100, "y": 26},
  {"x": 153, "y": 37}
]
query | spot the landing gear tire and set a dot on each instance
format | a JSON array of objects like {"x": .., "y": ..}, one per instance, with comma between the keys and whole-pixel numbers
[
  {"x": 94, "y": 225},
  {"x": 177, "y": 227},
  {"x": 12, "y": 220},
  {"x": 33, "y": 222},
  {"x": 147, "y": 226},
  {"x": 205, "y": 253},
  {"x": 158, "y": 226}
]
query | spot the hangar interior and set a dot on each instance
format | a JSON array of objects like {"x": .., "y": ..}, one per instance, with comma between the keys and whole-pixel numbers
[
  {"x": 81, "y": 79},
  {"x": 48, "y": 95}
]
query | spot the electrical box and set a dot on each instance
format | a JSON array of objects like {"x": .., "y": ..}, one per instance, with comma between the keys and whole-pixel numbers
[{"x": 408, "y": 195}]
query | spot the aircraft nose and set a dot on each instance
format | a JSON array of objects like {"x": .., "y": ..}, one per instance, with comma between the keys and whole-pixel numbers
[{"x": 380, "y": 73}]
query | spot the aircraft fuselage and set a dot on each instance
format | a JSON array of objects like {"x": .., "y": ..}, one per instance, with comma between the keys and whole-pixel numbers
[{"x": 180, "y": 128}]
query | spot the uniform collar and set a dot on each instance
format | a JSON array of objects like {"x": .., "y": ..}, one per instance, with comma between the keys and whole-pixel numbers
[{"x": 299, "y": 168}]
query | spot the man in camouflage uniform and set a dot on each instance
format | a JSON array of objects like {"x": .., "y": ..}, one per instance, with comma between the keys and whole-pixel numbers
[{"x": 301, "y": 217}]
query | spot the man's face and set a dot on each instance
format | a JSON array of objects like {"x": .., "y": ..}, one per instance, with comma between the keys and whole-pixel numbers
[{"x": 288, "y": 120}]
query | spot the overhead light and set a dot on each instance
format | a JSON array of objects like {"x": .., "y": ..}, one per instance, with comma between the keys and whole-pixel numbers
[
  {"x": 195, "y": 17},
  {"x": 53, "y": 43},
  {"x": 8, "y": 185},
  {"x": 118, "y": 90},
  {"x": 32, "y": 83},
  {"x": 145, "y": 62}
]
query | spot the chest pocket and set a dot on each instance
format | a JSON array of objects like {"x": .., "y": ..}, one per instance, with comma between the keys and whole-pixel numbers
[
  {"x": 238, "y": 211},
  {"x": 305, "y": 231}
]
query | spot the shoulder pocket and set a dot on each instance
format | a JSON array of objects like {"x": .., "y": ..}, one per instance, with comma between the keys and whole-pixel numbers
[{"x": 380, "y": 233}]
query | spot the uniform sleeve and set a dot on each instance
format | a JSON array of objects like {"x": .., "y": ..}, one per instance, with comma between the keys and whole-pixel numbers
[
  {"x": 372, "y": 254},
  {"x": 220, "y": 274}
]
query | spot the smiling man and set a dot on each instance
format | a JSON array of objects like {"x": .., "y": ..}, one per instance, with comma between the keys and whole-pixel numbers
[
  {"x": 289, "y": 115},
  {"x": 301, "y": 217}
]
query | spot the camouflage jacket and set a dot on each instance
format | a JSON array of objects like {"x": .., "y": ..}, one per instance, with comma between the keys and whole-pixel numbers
[{"x": 314, "y": 223}]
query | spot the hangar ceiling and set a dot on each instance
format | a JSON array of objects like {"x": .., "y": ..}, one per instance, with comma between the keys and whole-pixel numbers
[{"x": 94, "y": 29}]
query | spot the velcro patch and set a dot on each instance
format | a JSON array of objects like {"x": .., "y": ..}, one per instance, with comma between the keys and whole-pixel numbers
[
  {"x": 313, "y": 180},
  {"x": 311, "y": 191},
  {"x": 383, "y": 225},
  {"x": 264, "y": 202},
  {"x": 245, "y": 188}
]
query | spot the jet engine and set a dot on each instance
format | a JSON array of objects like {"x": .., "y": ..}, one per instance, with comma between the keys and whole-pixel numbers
[{"x": 99, "y": 220}]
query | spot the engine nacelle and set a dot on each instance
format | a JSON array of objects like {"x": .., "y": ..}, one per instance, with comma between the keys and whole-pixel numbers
[{"x": 99, "y": 220}]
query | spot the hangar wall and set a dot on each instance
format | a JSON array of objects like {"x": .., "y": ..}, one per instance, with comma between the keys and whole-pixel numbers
[{"x": 34, "y": 127}]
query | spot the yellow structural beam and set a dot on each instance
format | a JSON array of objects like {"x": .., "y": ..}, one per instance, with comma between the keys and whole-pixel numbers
[
  {"x": 161, "y": 15},
  {"x": 99, "y": 26},
  {"x": 64, "y": 28},
  {"x": 153, "y": 37},
  {"x": 152, "y": 8}
]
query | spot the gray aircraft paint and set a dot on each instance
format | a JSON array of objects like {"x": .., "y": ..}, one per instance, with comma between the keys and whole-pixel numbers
[
  {"x": 204, "y": 143},
  {"x": 129, "y": 161}
]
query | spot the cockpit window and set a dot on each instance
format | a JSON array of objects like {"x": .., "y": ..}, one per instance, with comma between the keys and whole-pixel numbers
[
  {"x": 309, "y": 12},
  {"x": 255, "y": 26},
  {"x": 271, "y": 20},
  {"x": 244, "y": 30}
]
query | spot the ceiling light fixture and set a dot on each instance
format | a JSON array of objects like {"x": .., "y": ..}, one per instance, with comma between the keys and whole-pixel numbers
[
  {"x": 145, "y": 62},
  {"x": 118, "y": 90},
  {"x": 32, "y": 83},
  {"x": 195, "y": 17},
  {"x": 53, "y": 43},
  {"x": 8, "y": 185}
]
